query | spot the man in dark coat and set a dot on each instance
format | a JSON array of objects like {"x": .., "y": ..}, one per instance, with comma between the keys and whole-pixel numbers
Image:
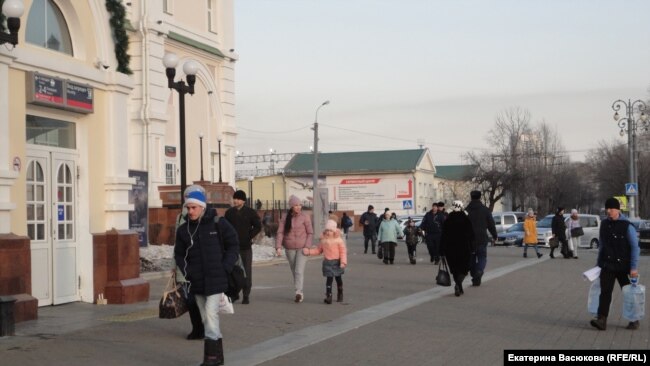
[
  {"x": 369, "y": 222},
  {"x": 618, "y": 257},
  {"x": 482, "y": 222},
  {"x": 558, "y": 228},
  {"x": 205, "y": 252},
  {"x": 247, "y": 224},
  {"x": 456, "y": 244},
  {"x": 432, "y": 230}
]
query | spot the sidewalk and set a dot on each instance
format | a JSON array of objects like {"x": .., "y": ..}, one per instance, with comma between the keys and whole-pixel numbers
[{"x": 391, "y": 314}]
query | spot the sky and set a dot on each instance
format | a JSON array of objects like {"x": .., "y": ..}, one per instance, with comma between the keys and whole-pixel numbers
[{"x": 403, "y": 73}]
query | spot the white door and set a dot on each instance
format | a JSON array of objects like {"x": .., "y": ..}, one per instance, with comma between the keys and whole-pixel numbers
[{"x": 51, "y": 225}]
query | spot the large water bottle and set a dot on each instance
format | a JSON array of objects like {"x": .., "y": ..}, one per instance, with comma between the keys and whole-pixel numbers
[
  {"x": 633, "y": 301},
  {"x": 594, "y": 295}
]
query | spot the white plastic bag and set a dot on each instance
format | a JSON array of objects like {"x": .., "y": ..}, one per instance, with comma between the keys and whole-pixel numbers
[
  {"x": 592, "y": 299},
  {"x": 225, "y": 305},
  {"x": 633, "y": 302}
]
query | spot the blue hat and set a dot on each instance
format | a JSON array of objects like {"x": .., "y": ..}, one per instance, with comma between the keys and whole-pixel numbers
[{"x": 195, "y": 196}]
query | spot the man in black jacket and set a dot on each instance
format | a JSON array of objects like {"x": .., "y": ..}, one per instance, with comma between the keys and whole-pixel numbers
[
  {"x": 558, "y": 229},
  {"x": 205, "y": 255},
  {"x": 369, "y": 222},
  {"x": 432, "y": 229},
  {"x": 247, "y": 224},
  {"x": 482, "y": 222}
]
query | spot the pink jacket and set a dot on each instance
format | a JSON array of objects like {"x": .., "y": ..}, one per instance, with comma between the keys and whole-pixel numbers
[
  {"x": 299, "y": 237},
  {"x": 332, "y": 248}
]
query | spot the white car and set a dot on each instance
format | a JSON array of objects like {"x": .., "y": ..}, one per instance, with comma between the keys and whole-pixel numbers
[{"x": 402, "y": 220}]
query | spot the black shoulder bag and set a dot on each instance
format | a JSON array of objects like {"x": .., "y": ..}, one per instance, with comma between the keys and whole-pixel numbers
[{"x": 237, "y": 277}]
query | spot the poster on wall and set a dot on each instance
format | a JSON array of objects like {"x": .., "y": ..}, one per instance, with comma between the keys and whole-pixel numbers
[{"x": 138, "y": 197}]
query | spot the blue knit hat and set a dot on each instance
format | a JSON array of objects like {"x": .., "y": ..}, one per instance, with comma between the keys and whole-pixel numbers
[{"x": 195, "y": 194}]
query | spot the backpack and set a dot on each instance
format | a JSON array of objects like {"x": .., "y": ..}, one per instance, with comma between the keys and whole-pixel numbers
[{"x": 347, "y": 222}]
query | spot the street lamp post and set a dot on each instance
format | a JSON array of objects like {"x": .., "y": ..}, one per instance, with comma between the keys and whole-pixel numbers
[
  {"x": 201, "y": 148},
  {"x": 13, "y": 10},
  {"x": 631, "y": 123},
  {"x": 250, "y": 190},
  {"x": 273, "y": 200},
  {"x": 219, "y": 140},
  {"x": 170, "y": 60},
  {"x": 316, "y": 207}
]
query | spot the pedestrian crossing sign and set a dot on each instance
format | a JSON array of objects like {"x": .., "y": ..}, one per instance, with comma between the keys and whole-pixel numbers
[
  {"x": 407, "y": 204},
  {"x": 631, "y": 189}
]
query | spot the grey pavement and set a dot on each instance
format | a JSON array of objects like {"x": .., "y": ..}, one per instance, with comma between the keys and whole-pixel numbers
[{"x": 391, "y": 314}]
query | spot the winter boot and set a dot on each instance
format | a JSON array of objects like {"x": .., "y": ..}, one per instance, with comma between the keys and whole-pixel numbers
[
  {"x": 633, "y": 325},
  {"x": 339, "y": 294},
  {"x": 211, "y": 353},
  {"x": 328, "y": 298},
  {"x": 599, "y": 322},
  {"x": 220, "y": 358},
  {"x": 525, "y": 255},
  {"x": 539, "y": 255},
  {"x": 198, "y": 331}
]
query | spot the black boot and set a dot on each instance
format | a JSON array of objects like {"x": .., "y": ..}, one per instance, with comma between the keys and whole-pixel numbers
[
  {"x": 339, "y": 294},
  {"x": 212, "y": 351},
  {"x": 198, "y": 332},
  {"x": 600, "y": 322},
  {"x": 328, "y": 298}
]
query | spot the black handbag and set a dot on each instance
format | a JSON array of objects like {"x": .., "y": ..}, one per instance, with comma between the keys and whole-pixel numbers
[
  {"x": 236, "y": 277},
  {"x": 380, "y": 251},
  {"x": 443, "y": 278},
  {"x": 173, "y": 302},
  {"x": 553, "y": 242},
  {"x": 577, "y": 231}
]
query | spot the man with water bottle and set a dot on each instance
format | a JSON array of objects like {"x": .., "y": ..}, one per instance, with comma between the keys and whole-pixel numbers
[{"x": 618, "y": 255}]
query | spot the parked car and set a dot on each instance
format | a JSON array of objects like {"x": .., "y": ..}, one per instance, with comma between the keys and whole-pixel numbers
[
  {"x": 504, "y": 220},
  {"x": 640, "y": 224},
  {"x": 590, "y": 225},
  {"x": 513, "y": 236},
  {"x": 644, "y": 240}
]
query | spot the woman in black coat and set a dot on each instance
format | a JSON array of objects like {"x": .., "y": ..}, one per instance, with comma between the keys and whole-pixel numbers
[{"x": 456, "y": 244}]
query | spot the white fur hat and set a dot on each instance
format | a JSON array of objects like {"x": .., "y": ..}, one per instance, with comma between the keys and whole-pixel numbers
[{"x": 457, "y": 206}]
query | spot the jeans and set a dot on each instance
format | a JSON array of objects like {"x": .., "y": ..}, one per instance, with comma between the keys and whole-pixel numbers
[
  {"x": 532, "y": 246},
  {"x": 478, "y": 261},
  {"x": 297, "y": 262},
  {"x": 607, "y": 279},
  {"x": 247, "y": 259},
  {"x": 209, "y": 308},
  {"x": 372, "y": 238}
]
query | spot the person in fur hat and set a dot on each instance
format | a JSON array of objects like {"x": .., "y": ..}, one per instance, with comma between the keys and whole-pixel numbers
[
  {"x": 456, "y": 244},
  {"x": 335, "y": 259}
]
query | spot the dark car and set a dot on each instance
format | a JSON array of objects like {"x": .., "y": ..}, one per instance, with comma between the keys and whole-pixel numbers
[
  {"x": 643, "y": 230},
  {"x": 514, "y": 235}
]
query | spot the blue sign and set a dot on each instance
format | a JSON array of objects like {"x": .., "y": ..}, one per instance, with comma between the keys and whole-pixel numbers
[
  {"x": 61, "y": 213},
  {"x": 631, "y": 189},
  {"x": 407, "y": 204}
]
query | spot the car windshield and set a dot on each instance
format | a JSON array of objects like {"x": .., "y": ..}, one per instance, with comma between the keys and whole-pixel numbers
[
  {"x": 545, "y": 222},
  {"x": 516, "y": 227}
]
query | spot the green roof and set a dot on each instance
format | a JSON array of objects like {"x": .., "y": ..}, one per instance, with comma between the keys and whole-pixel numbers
[
  {"x": 360, "y": 162},
  {"x": 455, "y": 172}
]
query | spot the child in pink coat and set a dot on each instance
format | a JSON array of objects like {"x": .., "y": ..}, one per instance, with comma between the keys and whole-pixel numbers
[{"x": 335, "y": 259}]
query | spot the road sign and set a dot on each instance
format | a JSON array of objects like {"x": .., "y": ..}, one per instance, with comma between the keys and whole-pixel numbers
[
  {"x": 407, "y": 204},
  {"x": 631, "y": 189}
]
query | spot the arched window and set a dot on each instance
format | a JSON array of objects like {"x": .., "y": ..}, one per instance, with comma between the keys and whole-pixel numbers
[{"x": 47, "y": 28}]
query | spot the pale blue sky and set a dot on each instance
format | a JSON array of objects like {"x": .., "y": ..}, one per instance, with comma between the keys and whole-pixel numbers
[{"x": 433, "y": 70}]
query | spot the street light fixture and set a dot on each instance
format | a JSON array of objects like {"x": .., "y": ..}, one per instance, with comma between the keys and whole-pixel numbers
[
  {"x": 316, "y": 208},
  {"x": 13, "y": 10},
  {"x": 219, "y": 140},
  {"x": 170, "y": 60},
  {"x": 272, "y": 151},
  {"x": 631, "y": 124},
  {"x": 201, "y": 148}
]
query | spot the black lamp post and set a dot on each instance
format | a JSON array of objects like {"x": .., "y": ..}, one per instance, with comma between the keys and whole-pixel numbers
[
  {"x": 13, "y": 10},
  {"x": 190, "y": 68},
  {"x": 219, "y": 140},
  {"x": 629, "y": 122},
  {"x": 201, "y": 148}
]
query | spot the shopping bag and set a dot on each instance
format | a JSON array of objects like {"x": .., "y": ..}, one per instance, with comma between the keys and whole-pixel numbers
[
  {"x": 443, "y": 278},
  {"x": 633, "y": 302},
  {"x": 380, "y": 251},
  {"x": 225, "y": 305},
  {"x": 173, "y": 302},
  {"x": 592, "y": 299}
]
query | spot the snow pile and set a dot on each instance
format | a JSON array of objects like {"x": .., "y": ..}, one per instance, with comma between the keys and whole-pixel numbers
[{"x": 155, "y": 258}]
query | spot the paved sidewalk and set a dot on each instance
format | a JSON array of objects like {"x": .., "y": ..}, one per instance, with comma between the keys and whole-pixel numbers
[{"x": 391, "y": 314}]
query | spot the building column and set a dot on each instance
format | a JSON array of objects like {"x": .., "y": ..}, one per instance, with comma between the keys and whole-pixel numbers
[{"x": 8, "y": 175}]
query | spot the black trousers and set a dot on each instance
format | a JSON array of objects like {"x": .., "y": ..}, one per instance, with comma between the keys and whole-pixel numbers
[
  {"x": 607, "y": 279},
  {"x": 247, "y": 258},
  {"x": 389, "y": 250}
]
